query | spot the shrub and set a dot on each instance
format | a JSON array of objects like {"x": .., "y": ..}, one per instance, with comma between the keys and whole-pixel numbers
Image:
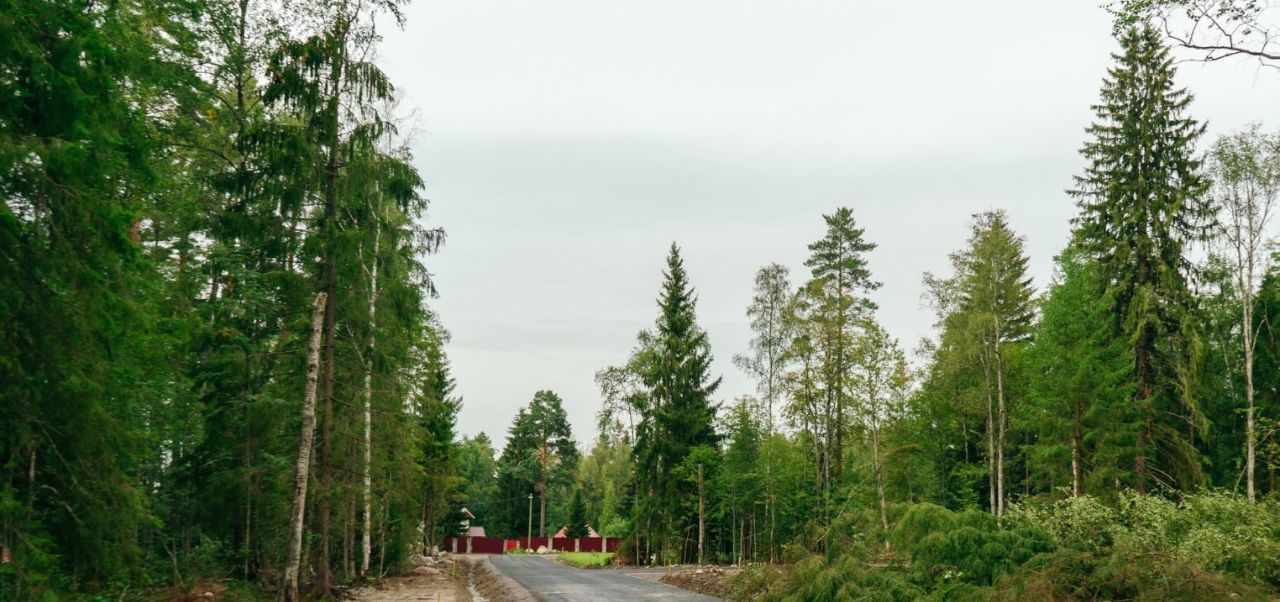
[
  {"x": 1205, "y": 533},
  {"x": 1207, "y": 546},
  {"x": 1071, "y": 574},
  {"x": 1079, "y": 522},
  {"x": 753, "y": 581}
]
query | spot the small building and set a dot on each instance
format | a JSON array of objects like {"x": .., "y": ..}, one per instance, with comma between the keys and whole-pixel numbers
[
  {"x": 467, "y": 528},
  {"x": 563, "y": 532}
]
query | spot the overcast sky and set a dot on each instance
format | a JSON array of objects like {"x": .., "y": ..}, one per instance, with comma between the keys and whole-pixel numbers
[{"x": 567, "y": 143}]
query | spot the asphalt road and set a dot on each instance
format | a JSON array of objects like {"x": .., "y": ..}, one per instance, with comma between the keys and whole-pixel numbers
[{"x": 553, "y": 582}]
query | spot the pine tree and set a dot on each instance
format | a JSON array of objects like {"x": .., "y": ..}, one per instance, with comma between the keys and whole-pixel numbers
[
  {"x": 1141, "y": 204},
  {"x": 540, "y": 457},
  {"x": 838, "y": 265},
  {"x": 555, "y": 453},
  {"x": 516, "y": 480}
]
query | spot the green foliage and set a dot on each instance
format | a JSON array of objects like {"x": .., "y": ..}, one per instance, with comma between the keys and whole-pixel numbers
[
  {"x": 540, "y": 457},
  {"x": 586, "y": 560},
  {"x": 768, "y": 360},
  {"x": 1080, "y": 411},
  {"x": 169, "y": 169},
  {"x": 1210, "y": 546},
  {"x": 753, "y": 581},
  {"x": 604, "y": 474},
  {"x": 1213, "y": 531},
  {"x": 577, "y": 525},
  {"x": 1142, "y": 203},
  {"x": 478, "y": 469},
  {"x": 674, "y": 364}
]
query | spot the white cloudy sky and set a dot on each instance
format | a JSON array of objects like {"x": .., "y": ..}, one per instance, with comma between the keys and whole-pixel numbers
[{"x": 567, "y": 143}]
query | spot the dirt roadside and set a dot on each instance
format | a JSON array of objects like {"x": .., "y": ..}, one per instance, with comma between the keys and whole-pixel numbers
[
  {"x": 432, "y": 580},
  {"x": 709, "y": 580},
  {"x": 452, "y": 578}
]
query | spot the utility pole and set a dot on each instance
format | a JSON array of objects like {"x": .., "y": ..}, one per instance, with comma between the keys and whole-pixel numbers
[
  {"x": 530, "y": 539},
  {"x": 702, "y": 523}
]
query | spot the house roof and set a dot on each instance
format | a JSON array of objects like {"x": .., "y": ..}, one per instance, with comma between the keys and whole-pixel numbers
[
  {"x": 564, "y": 530},
  {"x": 476, "y": 531}
]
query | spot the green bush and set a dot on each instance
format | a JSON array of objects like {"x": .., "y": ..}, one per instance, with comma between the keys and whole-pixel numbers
[
  {"x": 1070, "y": 574},
  {"x": 1207, "y": 546},
  {"x": 753, "y": 581},
  {"x": 1213, "y": 531}
]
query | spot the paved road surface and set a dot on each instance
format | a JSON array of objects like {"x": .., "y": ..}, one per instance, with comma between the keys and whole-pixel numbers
[{"x": 554, "y": 582}]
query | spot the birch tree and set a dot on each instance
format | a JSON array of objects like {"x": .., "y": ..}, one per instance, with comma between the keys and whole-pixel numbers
[
  {"x": 302, "y": 468},
  {"x": 366, "y": 540},
  {"x": 1246, "y": 171},
  {"x": 993, "y": 311},
  {"x": 880, "y": 382},
  {"x": 766, "y": 361}
]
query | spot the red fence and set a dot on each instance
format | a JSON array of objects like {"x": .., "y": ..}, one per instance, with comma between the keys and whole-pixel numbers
[{"x": 494, "y": 545}]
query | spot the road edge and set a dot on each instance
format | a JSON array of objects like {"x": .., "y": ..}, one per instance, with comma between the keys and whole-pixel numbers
[{"x": 495, "y": 585}]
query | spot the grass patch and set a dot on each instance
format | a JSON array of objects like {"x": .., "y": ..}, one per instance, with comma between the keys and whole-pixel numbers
[{"x": 587, "y": 560}]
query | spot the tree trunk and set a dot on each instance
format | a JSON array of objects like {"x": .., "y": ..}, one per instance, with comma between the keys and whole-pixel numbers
[
  {"x": 1249, "y": 436},
  {"x": 293, "y": 548},
  {"x": 1000, "y": 429},
  {"x": 331, "y": 224},
  {"x": 991, "y": 439},
  {"x": 773, "y": 527},
  {"x": 326, "y": 450},
  {"x": 702, "y": 522},
  {"x": 1143, "y": 400},
  {"x": 879, "y": 470},
  {"x": 366, "y": 530},
  {"x": 1077, "y": 453},
  {"x": 348, "y": 536},
  {"x": 542, "y": 509}
]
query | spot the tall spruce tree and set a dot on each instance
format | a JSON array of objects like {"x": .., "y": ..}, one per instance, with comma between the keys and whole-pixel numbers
[
  {"x": 1142, "y": 203},
  {"x": 515, "y": 481},
  {"x": 681, "y": 415},
  {"x": 81, "y": 348},
  {"x": 577, "y": 525}
]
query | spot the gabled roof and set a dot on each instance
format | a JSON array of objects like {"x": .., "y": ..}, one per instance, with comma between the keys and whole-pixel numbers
[{"x": 563, "y": 532}]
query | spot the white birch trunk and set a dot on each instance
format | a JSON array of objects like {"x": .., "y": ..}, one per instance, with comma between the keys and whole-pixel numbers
[
  {"x": 1000, "y": 429},
  {"x": 366, "y": 543},
  {"x": 879, "y": 470},
  {"x": 991, "y": 438},
  {"x": 293, "y": 549}
]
